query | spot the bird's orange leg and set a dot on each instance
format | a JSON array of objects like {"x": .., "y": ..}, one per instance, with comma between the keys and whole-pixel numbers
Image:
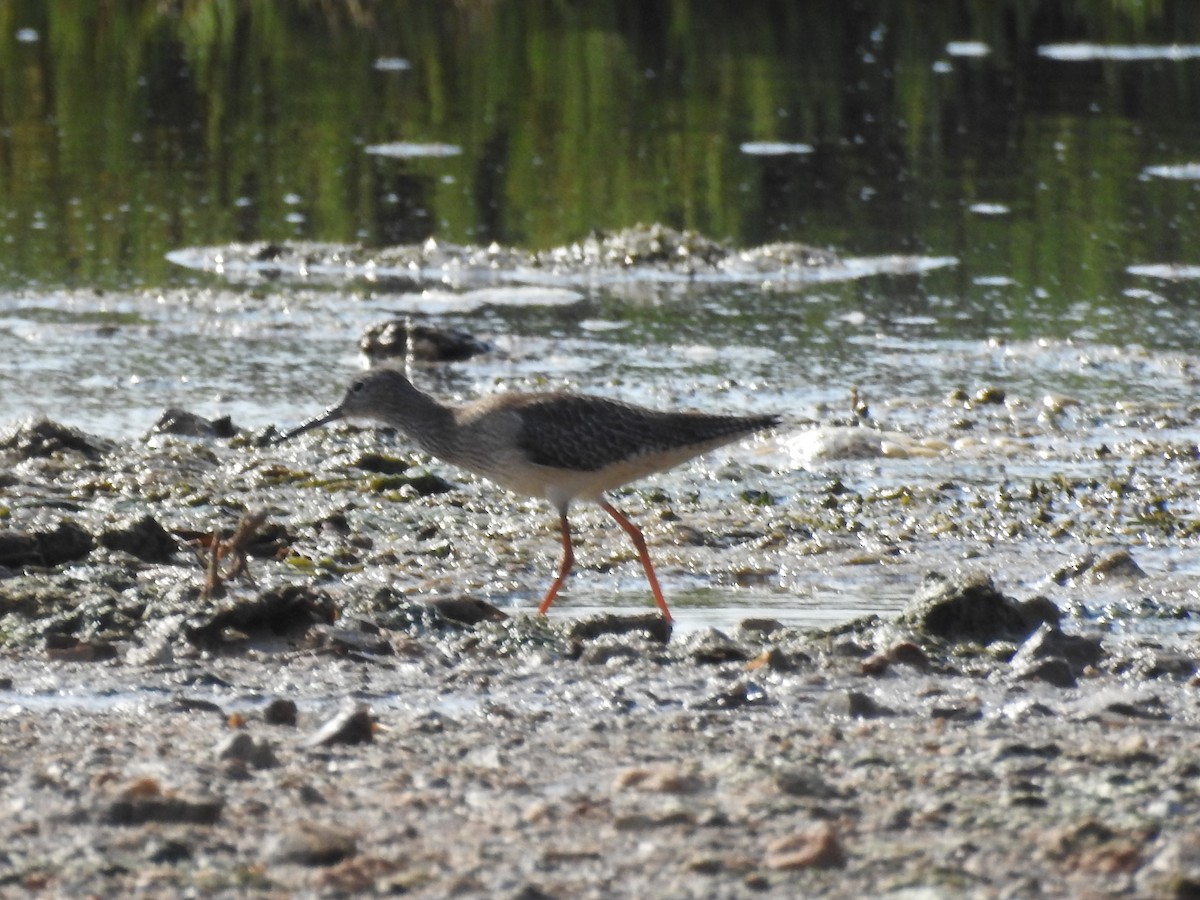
[
  {"x": 635, "y": 534},
  {"x": 564, "y": 567}
]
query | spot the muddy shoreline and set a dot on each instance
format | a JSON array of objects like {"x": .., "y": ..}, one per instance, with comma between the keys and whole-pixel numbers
[
  {"x": 348, "y": 715},
  {"x": 509, "y": 759}
]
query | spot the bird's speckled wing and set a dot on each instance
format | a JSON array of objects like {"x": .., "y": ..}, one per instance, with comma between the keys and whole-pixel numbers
[{"x": 585, "y": 434}]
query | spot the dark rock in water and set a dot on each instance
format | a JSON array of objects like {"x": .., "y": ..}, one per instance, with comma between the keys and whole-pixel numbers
[
  {"x": 285, "y": 610},
  {"x": 353, "y": 725},
  {"x": 43, "y": 438},
  {"x": 144, "y": 538},
  {"x": 66, "y": 543},
  {"x": 188, "y": 424},
  {"x": 311, "y": 844},
  {"x": 652, "y": 625},
  {"x": 468, "y": 610},
  {"x": 401, "y": 337},
  {"x": 969, "y": 608}
]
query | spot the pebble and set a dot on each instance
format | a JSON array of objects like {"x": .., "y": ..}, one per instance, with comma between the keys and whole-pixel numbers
[
  {"x": 352, "y": 725},
  {"x": 145, "y": 800},
  {"x": 280, "y": 711},
  {"x": 241, "y": 747},
  {"x": 311, "y": 844},
  {"x": 816, "y": 847}
]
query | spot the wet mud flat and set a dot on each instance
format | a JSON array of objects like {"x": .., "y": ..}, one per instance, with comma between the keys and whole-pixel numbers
[
  {"x": 329, "y": 706},
  {"x": 939, "y": 755}
]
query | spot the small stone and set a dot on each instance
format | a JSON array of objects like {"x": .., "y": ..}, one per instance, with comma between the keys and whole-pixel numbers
[
  {"x": 711, "y": 647},
  {"x": 311, "y": 844},
  {"x": 280, "y": 711},
  {"x": 773, "y": 659},
  {"x": 989, "y": 395},
  {"x": 66, "y": 543},
  {"x": 653, "y": 626},
  {"x": 188, "y": 424},
  {"x": 855, "y": 705},
  {"x": 145, "y": 801},
  {"x": 969, "y": 608},
  {"x": 817, "y": 847},
  {"x": 42, "y": 438},
  {"x": 736, "y": 696},
  {"x": 468, "y": 610},
  {"x": 797, "y": 782},
  {"x": 65, "y": 648},
  {"x": 241, "y": 747},
  {"x": 1049, "y": 641},
  {"x": 658, "y": 779},
  {"x": 144, "y": 538},
  {"x": 353, "y": 725},
  {"x": 1054, "y": 671}
]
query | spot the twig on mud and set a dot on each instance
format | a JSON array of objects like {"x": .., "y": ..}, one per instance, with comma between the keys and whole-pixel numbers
[{"x": 214, "y": 549}]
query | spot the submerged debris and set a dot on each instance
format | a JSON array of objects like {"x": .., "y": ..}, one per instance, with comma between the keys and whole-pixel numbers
[{"x": 419, "y": 342}]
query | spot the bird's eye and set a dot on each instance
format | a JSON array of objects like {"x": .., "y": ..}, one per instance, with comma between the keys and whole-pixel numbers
[{"x": 356, "y": 386}]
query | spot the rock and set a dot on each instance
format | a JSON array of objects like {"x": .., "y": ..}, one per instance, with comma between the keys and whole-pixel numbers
[
  {"x": 775, "y": 660},
  {"x": 468, "y": 610},
  {"x": 800, "y": 782},
  {"x": 970, "y": 609},
  {"x": 651, "y": 625},
  {"x": 1049, "y": 641},
  {"x": 424, "y": 343},
  {"x": 902, "y": 652},
  {"x": 66, "y": 648},
  {"x": 736, "y": 696},
  {"x": 712, "y": 647},
  {"x": 661, "y": 779},
  {"x": 352, "y": 725},
  {"x": 968, "y": 710},
  {"x": 760, "y": 627},
  {"x": 66, "y": 543},
  {"x": 143, "y": 538},
  {"x": 855, "y": 705},
  {"x": 42, "y": 438},
  {"x": 288, "y": 609},
  {"x": 145, "y": 801},
  {"x": 1056, "y": 658},
  {"x": 1118, "y": 564},
  {"x": 187, "y": 424},
  {"x": 311, "y": 844},
  {"x": 352, "y": 636},
  {"x": 1055, "y": 671},
  {"x": 817, "y": 847},
  {"x": 280, "y": 711},
  {"x": 241, "y": 747}
]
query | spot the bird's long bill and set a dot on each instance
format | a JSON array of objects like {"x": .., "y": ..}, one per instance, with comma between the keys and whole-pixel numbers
[{"x": 330, "y": 415}]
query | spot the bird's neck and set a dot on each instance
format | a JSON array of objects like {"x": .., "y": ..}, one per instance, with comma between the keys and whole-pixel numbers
[{"x": 429, "y": 423}]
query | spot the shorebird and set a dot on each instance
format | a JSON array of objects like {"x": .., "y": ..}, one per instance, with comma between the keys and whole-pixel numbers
[{"x": 558, "y": 446}]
